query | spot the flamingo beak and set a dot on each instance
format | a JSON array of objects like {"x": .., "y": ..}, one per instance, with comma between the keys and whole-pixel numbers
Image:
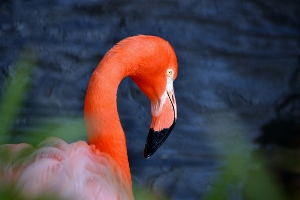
[{"x": 164, "y": 115}]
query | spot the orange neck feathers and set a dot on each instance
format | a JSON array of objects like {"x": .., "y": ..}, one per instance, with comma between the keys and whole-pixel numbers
[{"x": 139, "y": 57}]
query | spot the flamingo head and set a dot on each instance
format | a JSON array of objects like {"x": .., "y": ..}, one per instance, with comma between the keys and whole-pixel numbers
[
  {"x": 155, "y": 76},
  {"x": 164, "y": 115}
]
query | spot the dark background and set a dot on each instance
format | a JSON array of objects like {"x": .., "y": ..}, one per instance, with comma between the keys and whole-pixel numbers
[{"x": 236, "y": 61}]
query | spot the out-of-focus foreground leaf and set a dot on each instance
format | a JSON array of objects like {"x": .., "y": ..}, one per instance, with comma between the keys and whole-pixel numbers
[{"x": 14, "y": 93}]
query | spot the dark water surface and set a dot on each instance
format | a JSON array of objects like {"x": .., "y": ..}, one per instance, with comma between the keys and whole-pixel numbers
[{"x": 236, "y": 60}]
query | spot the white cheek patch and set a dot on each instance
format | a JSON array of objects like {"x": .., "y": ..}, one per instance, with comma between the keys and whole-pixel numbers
[
  {"x": 169, "y": 84},
  {"x": 157, "y": 106}
]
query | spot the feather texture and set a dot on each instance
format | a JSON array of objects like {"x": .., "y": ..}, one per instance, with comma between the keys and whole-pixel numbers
[{"x": 71, "y": 171}]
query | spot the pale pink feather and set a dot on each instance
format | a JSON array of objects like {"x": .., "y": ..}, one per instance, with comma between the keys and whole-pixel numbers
[{"x": 71, "y": 171}]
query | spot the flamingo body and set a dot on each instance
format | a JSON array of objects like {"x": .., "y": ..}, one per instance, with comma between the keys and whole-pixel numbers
[{"x": 100, "y": 169}]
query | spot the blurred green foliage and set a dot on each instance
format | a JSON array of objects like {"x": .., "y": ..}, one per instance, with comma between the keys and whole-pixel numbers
[{"x": 15, "y": 93}]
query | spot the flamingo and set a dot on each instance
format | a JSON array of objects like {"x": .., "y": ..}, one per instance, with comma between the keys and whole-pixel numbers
[{"x": 100, "y": 169}]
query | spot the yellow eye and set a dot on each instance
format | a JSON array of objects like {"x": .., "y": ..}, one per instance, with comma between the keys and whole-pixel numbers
[{"x": 169, "y": 72}]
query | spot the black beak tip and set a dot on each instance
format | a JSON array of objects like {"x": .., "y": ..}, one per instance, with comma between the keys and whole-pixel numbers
[
  {"x": 155, "y": 139},
  {"x": 148, "y": 151}
]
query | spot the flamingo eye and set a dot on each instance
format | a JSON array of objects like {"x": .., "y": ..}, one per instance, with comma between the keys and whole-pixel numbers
[{"x": 169, "y": 72}]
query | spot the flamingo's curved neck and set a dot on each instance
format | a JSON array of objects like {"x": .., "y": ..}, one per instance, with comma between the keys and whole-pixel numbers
[
  {"x": 101, "y": 115},
  {"x": 140, "y": 58}
]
